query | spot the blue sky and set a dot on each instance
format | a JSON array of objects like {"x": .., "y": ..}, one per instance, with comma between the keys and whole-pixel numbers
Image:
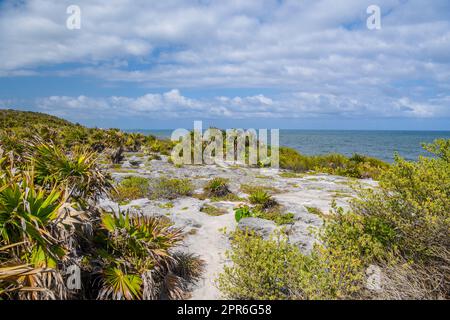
[{"x": 303, "y": 64}]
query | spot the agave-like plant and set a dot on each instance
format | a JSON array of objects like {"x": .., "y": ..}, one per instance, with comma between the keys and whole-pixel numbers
[
  {"x": 137, "y": 260},
  {"x": 27, "y": 209},
  {"x": 35, "y": 235},
  {"x": 78, "y": 169}
]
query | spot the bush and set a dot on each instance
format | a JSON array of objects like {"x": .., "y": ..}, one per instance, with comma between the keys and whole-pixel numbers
[
  {"x": 136, "y": 262},
  {"x": 276, "y": 216},
  {"x": 78, "y": 169},
  {"x": 217, "y": 187},
  {"x": 243, "y": 212},
  {"x": 131, "y": 188},
  {"x": 414, "y": 201},
  {"x": 273, "y": 215},
  {"x": 171, "y": 188},
  {"x": 401, "y": 227},
  {"x": 274, "y": 269},
  {"x": 262, "y": 199},
  {"x": 357, "y": 166}
]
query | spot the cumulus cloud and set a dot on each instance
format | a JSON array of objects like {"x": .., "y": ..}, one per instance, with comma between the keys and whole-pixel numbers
[
  {"x": 172, "y": 104},
  {"x": 318, "y": 54}
]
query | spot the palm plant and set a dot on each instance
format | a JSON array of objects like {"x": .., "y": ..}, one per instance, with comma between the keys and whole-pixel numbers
[
  {"x": 26, "y": 209},
  {"x": 30, "y": 252},
  {"x": 137, "y": 261},
  {"x": 77, "y": 169},
  {"x": 262, "y": 199},
  {"x": 23, "y": 280}
]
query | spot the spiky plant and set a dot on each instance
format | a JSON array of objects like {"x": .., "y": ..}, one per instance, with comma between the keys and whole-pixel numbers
[
  {"x": 30, "y": 252},
  {"x": 77, "y": 169},
  {"x": 137, "y": 261},
  {"x": 262, "y": 199},
  {"x": 39, "y": 232},
  {"x": 217, "y": 187}
]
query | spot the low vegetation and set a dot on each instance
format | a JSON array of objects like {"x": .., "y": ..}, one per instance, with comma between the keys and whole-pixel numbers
[
  {"x": 52, "y": 177},
  {"x": 212, "y": 210},
  {"x": 274, "y": 215},
  {"x": 217, "y": 187},
  {"x": 171, "y": 188},
  {"x": 136, "y": 263},
  {"x": 356, "y": 166},
  {"x": 50, "y": 182},
  {"x": 251, "y": 188},
  {"x": 262, "y": 200},
  {"x": 399, "y": 229},
  {"x": 316, "y": 211},
  {"x": 131, "y": 188}
]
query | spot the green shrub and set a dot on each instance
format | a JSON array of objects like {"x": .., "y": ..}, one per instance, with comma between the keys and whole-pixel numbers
[
  {"x": 79, "y": 169},
  {"x": 273, "y": 215},
  {"x": 131, "y": 247},
  {"x": 167, "y": 188},
  {"x": 217, "y": 187},
  {"x": 274, "y": 269},
  {"x": 262, "y": 199},
  {"x": 276, "y": 216},
  {"x": 131, "y": 188},
  {"x": 212, "y": 210},
  {"x": 250, "y": 188},
  {"x": 242, "y": 212},
  {"x": 413, "y": 203},
  {"x": 401, "y": 227},
  {"x": 314, "y": 210},
  {"x": 357, "y": 166}
]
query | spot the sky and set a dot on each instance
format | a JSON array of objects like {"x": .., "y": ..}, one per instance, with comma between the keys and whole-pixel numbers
[{"x": 295, "y": 64}]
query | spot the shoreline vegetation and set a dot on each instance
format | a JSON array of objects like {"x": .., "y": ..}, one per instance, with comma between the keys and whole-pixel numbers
[{"x": 390, "y": 242}]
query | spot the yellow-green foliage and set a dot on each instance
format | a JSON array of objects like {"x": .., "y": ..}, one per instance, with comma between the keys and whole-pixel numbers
[
  {"x": 78, "y": 169},
  {"x": 131, "y": 188},
  {"x": 315, "y": 211},
  {"x": 130, "y": 247},
  {"x": 19, "y": 119},
  {"x": 217, "y": 187},
  {"x": 414, "y": 201},
  {"x": 50, "y": 183},
  {"x": 262, "y": 199},
  {"x": 274, "y": 269},
  {"x": 212, "y": 210},
  {"x": 274, "y": 214},
  {"x": 171, "y": 188},
  {"x": 402, "y": 225},
  {"x": 161, "y": 146},
  {"x": 250, "y": 188},
  {"x": 357, "y": 166}
]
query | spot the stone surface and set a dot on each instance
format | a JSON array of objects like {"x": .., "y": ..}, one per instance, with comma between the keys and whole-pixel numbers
[
  {"x": 205, "y": 234},
  {"x": 261, "y": 227}
]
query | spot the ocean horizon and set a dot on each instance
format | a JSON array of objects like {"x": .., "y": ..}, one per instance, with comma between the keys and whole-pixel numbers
[{"x": 381, "y": 144}]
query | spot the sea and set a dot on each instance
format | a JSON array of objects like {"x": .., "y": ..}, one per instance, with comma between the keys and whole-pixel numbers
[{"x": 379, "y": 144}]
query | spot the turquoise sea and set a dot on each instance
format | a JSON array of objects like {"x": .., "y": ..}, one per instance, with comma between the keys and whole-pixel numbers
[{"x": 379, "y": 144}]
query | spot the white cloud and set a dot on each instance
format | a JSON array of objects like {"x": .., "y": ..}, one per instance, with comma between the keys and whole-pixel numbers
[
  {"x": 318, "y": 53},
  {"x": 172, "y": 104}
]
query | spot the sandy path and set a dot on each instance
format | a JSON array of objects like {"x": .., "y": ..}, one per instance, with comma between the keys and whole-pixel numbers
[
  {"x": 206, "y": 239},
  {"x": 210, "y": 243}
]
